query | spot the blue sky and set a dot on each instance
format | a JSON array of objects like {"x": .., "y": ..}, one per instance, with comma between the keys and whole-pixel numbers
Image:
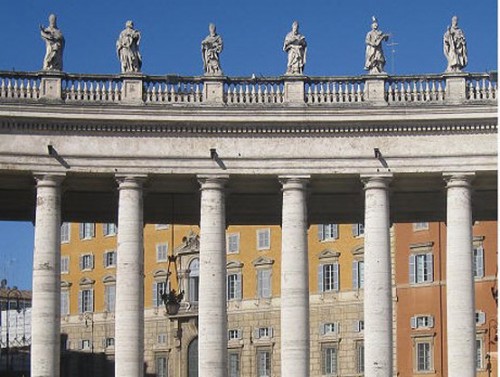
[{"x": 253, "y": 33}]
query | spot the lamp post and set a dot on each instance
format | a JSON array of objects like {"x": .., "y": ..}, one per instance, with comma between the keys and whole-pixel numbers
[
  {"x": 172, "y": 299},
  {"x": 10, "y": 293}
]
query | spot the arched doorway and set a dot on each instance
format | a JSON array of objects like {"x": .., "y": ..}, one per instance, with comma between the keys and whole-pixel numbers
[{"x": 193, "y": 358}]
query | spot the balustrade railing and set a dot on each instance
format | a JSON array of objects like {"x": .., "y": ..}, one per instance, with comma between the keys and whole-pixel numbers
[
  {"x": 429, "y": 88},
  {"x": 326, "y": 90},
  {"x": 91, "y": 88},
  {"x": 481, "y": 87},
  {"x": 254, "y": 90},
  {"x": 173, "y": 89},
  {"x": 19, "y": 85}
]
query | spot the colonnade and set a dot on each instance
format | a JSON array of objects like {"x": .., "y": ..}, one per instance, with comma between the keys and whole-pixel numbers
[{"x": 295, "y": 345}]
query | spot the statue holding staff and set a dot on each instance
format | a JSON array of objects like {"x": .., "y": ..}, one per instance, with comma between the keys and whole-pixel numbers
[
  {"x": 54, "y": 43},
  {"x": 127, "y": 49},
  {"x": 211, "y": 47},
  {"x": 455, "y": 47},
  {"x": 296, "y": 46},
  {"x": 374, "y": 56}
]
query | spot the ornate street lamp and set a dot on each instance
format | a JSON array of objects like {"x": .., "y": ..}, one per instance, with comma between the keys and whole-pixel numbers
[
  {"x": 17, "y": 295},
  {"x": 172, "y": 299}
]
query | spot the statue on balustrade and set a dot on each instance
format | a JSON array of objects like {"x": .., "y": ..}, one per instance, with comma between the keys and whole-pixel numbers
[
  {"x": 455, "y": 47},
  {"x": 296, "y": 46},
  {"x": 127, "y": 48},
  {"x": 211, "y": 47},
  {"x": 374, "y": 56},
  {"x": 54, "y": 43}
]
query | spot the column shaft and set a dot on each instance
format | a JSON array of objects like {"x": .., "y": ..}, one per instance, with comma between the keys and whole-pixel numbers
[
  {"x": 294, "y": 280},
  {"x": 129, "y": 309},
  {"x": 212, "y": 311},
  {"x": 377, "y": 289},
  {"x": 461, "y": 326},
  {"x": 46, "y": 299}
]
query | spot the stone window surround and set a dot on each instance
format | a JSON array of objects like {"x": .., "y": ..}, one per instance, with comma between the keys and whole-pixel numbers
[{"x": 423, "y": 338}]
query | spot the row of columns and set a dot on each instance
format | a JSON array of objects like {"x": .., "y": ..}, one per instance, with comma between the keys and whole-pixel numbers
[{"x": 212, "y": 312}]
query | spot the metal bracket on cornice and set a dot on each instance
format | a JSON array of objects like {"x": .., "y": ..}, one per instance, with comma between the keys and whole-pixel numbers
[
  {"x": 378, "y": 156},
  {"x": 53, "y": 153},
  {"x": 215, "y": 157}
]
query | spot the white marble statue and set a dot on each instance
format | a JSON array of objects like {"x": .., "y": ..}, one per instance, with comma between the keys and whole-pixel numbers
[
  {"x": 455, "y": 47},
  {"x": 54, "y": 42},
  {"x": 211, "y": 47},
  {"x": 127, "y": 48},
  {"x": 374, "y": 56},
  {"x": 296, "y": 46}
]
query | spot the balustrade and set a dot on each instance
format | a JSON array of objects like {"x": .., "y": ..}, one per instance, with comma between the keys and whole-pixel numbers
[
  {"x": 251, "y": 91},
  {"x": 19, "y": 85},
  {"x": 334, "y": 90},
  {"x": 415, "y": 89},
  {"x": 92, "y": 88},
  {"x": 173, "y": 90},
  {"x": 481, "y": 87}
]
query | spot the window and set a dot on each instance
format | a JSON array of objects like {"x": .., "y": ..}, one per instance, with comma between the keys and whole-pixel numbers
[
  {"x": 358, "y": 230},
  {"x": 263, "y": 332},
  {"x": 478, "y": 262},
  {"x": 86, "y": 262},
  {"x": 162, "y": 338},
  {"x": 234, "y": 334},
  {"x": 358, "y": 274},
  {"x": 65, "y": 232},
  {"x": 328, "y": 232},
  {"x": 329, "y": 359},
  {"x": 161, "y": 226},
  {"x": 109, "y": 258},
  {"x": 86, "y": 300},
  {"x": 263, "y": 239},
  {"x": 233, "y": 364},
  {"x": 109, "y": 342},
  {"x": 234, "y": 286},
  {"x": 65, "y": 264},
  {"x": 480, "y": 318},
  {"x": 64, "y": 303},
  {"x": 161, "y": 365},
  {"x": 194, "y": 279},
  {"x": 109, "y": 229},
  {"x": 360, "y": 357},
  {"x": 87, "y": 230},
  {"x": 359, "y": 325},
  {"x": 159, "y": 287},
  {"x": 479, "y": 354},
  {"x": 263, "y": 363},
  {"x": 424, "y": 357},
  {"x": 233, "y": 243},
  {"x": 264, "y": 283},
  {"x": 85, "y": 345},
  {"x": 420, "y": 226},
  {"x": 109, "y": 297},
  {"x": 422, "y": 321},
  {"x": 328, "y": 277},
  {"x": 421, "y": 268},
  {"x": 329, "y": 328},
  {"x": 161, "y": 252}
]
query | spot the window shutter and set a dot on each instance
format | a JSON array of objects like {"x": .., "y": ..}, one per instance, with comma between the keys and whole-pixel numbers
[
  {"x": 480, "y": 262},
  {"x": 412, "y": 269},
  {"x": 322, "y": 329},
  {"x": 267, "y": 283},
  {"x": 155, "y": 294},
  {"x": 82, "y": 230},
  {"x": 81, "y": 262},
  {"x": 91, "y": 300},
  {"x": 240, "y": 335},
  {"x": 481, "y": 317},
  {"x": 355, "y": 283},
  {"x": 337, "y": 327},
  {"x": 256, "y": 333},
  {"x": 238, "y": 286},
  {"x": 270, "y": 331},
  {"x": 335, "y": 276},
  {"x": 92, "y": 229},
  {"x": 104, "y": 255},
  {"x": 320, "y": 278},
  {"x": 106, "y": 297},
  {"x": 92, "y": 257},
  {"x": 80, "y": 299},
  {"x": 335, "y": 231},
  {"x": 413, "y": 322},
  {"x": 358, "y": 326},
  {"x": 430, "y": 266},
  {"x": 355, "y": 230},
  {"x": 431, "y": 321},
  {"x": 321, "y": 236}
]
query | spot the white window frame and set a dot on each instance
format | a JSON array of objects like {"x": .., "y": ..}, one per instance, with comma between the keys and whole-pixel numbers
[
  {"x": 87, "y": 231},
  {"x": 264, "y": 362},
  {"x": 421, "y": 268},
  {"x": 358, "y": 230},
  {"x": 328, "y": 232},
  {"x": 65, "y": 264},
  {"x": 65, "y": 302},
  {"x": 233, "y": 286},
  {"x": 424, "y": 346},
  {"x": 86, "y": 300},
  {"x": 329, "y": 359},
  {"x": 86, "y": 262},
  {"x": 85, "y": 344},
  {"x": 360, "y": 357},
  {"x": 359, "y": 325},
  {"x": 478, "y": 261},
  {"x": 109, "y": 259},
  {"x": 161, "y": 226},
  {"x": 233, "y": 243},
  {"x": 328, "y": 277},
  {"x": 480, "y": 317},
  {"x": 161, "y": 338},
  {"x": 162, "y": 252},
  {"x": 264, "y": 283},
  {"x": 263, "y": 332},
  {"x": 161, "y": 365},
  {"x": 358, "y": 274},
  {"x": 233, "y": 364},
  {"x": 194, "y": 281},
  {"x": 479, "y": 353},
  {"x": 419, "y": 226},
  {"x": 422, "y": 321},
  {"x": 264, "y": 239},
  {"x": 109, "y": 229},
  {"x": 109, "y": 342},
  {"x": 158, "y": 288},
  {"x": 329, "y": 328},
  {"x": 65, "y": 232},
  {"x": 110, "y": 297},
  {"x": 233, "y": 334}
]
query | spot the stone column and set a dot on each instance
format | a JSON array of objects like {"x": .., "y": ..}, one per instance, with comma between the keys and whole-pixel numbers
[
  {"x": 129, "y": 309},
  {"x": 46, "y": 299},
  {"x": 212, "y": 311},
  {"x": 294, "y": 279},
  {"x": 377, "y": 289},
  {"x": 461, "y": 325}
]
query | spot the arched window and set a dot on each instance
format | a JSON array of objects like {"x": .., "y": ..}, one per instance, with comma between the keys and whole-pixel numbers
[
  {"x": 193, "y": 358},
  {"x": 194, "y": 280}
]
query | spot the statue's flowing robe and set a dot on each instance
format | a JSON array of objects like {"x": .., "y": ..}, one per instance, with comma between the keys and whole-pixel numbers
[
  {"x": 211, "y": 48},
  {"x": 374, "y": 56},
  {"x": 455, "y": 49},
  {"x": 296, "y": 47}
]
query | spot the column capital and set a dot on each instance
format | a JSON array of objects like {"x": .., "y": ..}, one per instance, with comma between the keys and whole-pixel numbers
[
  {"x": 461, "y": 179},
  {"x": 294, "y": 182},
  {"x": 48, "y": 179},
  {"x": 376, "y": 181},
  {"x": 214, "y": 182},
  {"x": 135, "y": 181}
]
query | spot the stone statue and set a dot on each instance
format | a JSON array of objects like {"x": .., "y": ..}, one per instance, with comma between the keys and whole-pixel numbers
[
  {"x": 127, "y": 48},
  {"x": 211, "y": 47},
  {"x": 374, "y": 57},
  {"x": 54, "y": 42},
  {"x": 296, "y": 46},
  {"x": 455, "y": 47}
]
